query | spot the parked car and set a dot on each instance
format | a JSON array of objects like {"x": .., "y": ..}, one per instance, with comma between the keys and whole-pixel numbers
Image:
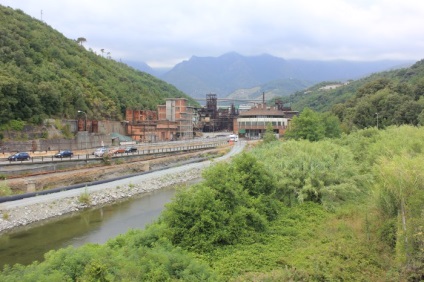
[
  {"x": 100, "y": 152},
  {"x": 130, "y": 149},
  {"x": 120, "y": 150},
  {"x": 21, "y": 156},
  {"x": 64, "y": 154}
]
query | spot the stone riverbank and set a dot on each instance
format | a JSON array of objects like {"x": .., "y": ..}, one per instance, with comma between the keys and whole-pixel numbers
[{"x": 24, "y": 215}]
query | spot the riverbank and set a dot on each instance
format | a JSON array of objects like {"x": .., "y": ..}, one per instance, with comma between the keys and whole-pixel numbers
[
  {"x": 50, "y": 207},
  {"x": 26, "y": 211}
]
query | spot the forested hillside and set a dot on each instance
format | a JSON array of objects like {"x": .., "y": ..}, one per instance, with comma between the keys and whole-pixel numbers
[
  {"x": 396, "y": 96},
  {"x": 44, "y": 74}
]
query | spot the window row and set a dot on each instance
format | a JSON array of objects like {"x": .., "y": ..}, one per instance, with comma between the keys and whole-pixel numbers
[{"x": 247, "y": 124}]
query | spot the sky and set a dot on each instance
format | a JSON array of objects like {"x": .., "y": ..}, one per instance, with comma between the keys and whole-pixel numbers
[{"x": 163, "y": 33}]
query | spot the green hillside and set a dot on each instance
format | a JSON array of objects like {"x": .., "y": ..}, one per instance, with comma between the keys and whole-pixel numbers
[
  {"x": 397, "y": 97},
  {"x": 44, "y": 74}
]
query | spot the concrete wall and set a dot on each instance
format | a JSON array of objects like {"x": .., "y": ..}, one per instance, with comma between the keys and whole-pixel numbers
[{"x": 83, "y": 140}]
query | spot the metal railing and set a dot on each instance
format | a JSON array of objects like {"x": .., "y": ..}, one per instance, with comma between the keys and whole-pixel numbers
[{"x": 142, "y": 149}]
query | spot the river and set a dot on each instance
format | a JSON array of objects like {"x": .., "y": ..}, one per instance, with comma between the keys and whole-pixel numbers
[{"x": 27, "y": 244}]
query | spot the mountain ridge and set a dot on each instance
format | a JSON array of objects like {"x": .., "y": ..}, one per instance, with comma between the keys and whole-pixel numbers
[{"x": 231, "y": 71}]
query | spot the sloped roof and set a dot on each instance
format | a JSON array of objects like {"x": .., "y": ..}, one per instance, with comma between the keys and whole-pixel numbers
[{"x": 121, "y": 138}]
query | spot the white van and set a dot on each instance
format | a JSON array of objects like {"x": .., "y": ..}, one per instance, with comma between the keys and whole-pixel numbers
[{"x": 233, "y": 137}]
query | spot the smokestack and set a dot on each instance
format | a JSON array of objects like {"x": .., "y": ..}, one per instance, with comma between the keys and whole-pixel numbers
[{"x": 263, "y": 100}]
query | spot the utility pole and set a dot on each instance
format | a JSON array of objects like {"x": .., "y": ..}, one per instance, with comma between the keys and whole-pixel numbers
[{"x": 377, "y": 120}]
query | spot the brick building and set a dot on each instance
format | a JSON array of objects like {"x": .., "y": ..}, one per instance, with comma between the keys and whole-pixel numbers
[{"x": 171, "y": 121}]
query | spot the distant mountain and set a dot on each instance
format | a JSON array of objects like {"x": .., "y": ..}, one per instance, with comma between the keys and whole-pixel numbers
[
  {"x": 230, "y": 72},
  {"x": 272, "y": 89},
  {"x": 225, "y": 74},
  {"x": 142, "y": 66}
]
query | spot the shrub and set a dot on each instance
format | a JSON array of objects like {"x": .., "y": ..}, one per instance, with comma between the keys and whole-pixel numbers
[
  {"x": 234, "y": 201},
  {"x": 306, "y": 173},
  {"x": 84, "y": 197},
  {"x": 106, "y": 159},
  {"x": 5, "y": 189}
]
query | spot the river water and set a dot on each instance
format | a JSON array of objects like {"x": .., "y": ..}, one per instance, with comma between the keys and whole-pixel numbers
[{"x": 28, "y": 244}]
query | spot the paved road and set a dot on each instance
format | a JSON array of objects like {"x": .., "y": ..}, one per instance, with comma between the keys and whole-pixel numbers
[
  {"x": 237, "y": 148},
  {"x": 143, "y": 149}
]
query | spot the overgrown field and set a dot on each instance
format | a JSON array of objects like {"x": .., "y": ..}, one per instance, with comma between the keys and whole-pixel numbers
[{"x": 346, "y": 209}]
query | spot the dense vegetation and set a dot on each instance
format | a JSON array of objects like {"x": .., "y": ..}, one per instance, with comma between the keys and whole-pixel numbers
[
  {"x": 393, "y": 97},
  {"x": 343, "y": 209},
  {"x": 314, "y": 126},
  {"x": 45, "y": 75}
]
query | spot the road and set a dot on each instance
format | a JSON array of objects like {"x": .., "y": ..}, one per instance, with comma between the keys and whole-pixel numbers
[{"x": 142, "y": 149}]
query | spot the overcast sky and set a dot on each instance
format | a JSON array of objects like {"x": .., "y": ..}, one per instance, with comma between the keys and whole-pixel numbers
[{"x": 163, "y": 33}]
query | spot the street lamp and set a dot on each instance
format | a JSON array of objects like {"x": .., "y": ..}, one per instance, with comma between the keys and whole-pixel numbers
[
  {"x": 85, "y": 122},
  {"x": 377, "y": 120}
]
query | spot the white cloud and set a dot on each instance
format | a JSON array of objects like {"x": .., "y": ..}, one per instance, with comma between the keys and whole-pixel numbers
[{"x": 164, "y": 32}]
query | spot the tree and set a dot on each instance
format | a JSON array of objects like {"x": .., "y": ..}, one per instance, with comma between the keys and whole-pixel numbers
[
  {"x": 235, "y": 200},
  {"x": 401, "y": 184},
  {"x": 332, "y": 126},
  {"x": 308, "y": 125},
  {"x": 81, "y": 40},
  {"x": 269, "y": 135}
]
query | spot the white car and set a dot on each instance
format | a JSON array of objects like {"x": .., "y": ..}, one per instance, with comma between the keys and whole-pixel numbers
[
  {"x": 100, "y": 152},
  {"x": 233, "y": 138}
]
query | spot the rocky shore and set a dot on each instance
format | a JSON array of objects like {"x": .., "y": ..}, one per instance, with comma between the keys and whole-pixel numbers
[{"x": 24, "y": 215}]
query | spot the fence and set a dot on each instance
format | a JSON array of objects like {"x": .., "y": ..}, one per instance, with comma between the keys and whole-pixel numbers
[{"x": 142, "y": 149}]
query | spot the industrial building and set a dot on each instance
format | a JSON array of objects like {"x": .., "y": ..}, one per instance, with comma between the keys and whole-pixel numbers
[
  {"x": 176, "y": 120},
  {"x": 252, "y": 123},
  {"x": 211, "y": 118},
  {"x": 171, "y": 121}
]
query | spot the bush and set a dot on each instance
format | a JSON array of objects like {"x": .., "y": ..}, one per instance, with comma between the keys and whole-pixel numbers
[
  {"x": 306, "y": 173},
  {"x": 5, "y": 189},
  {"x": 233, "y": 202},
  {"x": 84, "y": 198}
]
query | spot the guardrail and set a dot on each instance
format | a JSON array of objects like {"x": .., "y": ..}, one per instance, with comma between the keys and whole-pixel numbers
[{"x": 142, "y": 149}]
